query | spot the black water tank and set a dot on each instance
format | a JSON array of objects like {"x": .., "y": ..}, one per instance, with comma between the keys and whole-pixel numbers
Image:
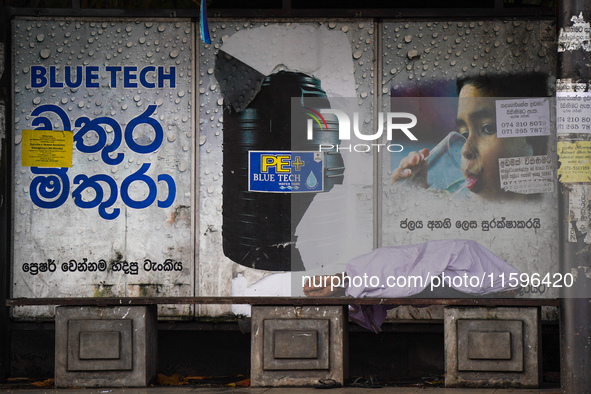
[{"x": 259, "y": 228}]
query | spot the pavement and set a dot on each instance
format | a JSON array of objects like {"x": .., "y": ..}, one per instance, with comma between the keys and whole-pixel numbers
[
  {"x": 238, "y": 384},
  {"x": 247, "y": 390}
]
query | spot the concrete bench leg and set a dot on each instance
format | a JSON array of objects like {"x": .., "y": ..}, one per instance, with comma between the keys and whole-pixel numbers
[
  {"x": 492, "y": 347},
  {"x": 105, "y": 346},
  {"x": 298, "y": 346}
]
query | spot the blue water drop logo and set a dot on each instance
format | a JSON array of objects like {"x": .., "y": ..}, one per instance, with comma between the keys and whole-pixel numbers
[{"x": 311, "y": 182}]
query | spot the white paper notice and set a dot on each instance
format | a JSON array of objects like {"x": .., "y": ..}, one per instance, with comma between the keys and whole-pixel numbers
[
  {"x": 527, "y": 175},
  {"x": 523, "y": 117},
  {"x": 575, "y": 37},
  {"x": 573, "y": 112},
  {"x": 579, "y": 211}
]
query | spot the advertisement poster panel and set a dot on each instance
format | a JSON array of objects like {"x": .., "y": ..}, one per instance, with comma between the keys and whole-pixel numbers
[
  {"x": 305, "y": 163},
  {"x": 259, "y": 228},
  {"x": 480, "y": 189},
  {"x": 103, "y": 160},
  {"x": 467, "y": 189},
  {"x": 513, "y": 221},
  {"x": 492, "y": 135}
]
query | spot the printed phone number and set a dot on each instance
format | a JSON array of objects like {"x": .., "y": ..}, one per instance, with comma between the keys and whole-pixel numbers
[{"x": 127, "y": 268}]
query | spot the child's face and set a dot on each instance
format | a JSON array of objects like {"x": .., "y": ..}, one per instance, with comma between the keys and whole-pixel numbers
[{"x": 480, "y": 155}]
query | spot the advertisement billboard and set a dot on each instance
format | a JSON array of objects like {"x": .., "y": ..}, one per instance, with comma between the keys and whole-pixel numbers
[
  {"x": 103, "y": 160},
  {"x": 486, "y": 135},
  {"x": 468, "y": 203},
  {"x": 323, "y": 146},
  {"x": 259, "y": 242}
]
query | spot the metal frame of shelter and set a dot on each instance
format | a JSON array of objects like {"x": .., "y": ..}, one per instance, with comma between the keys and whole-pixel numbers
[{"x": 378, "y": 10}]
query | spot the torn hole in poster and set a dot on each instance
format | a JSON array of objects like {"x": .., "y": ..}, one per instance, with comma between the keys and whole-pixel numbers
[{"x": 248, "y": 56}]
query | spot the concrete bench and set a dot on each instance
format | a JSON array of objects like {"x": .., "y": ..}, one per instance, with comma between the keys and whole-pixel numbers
[{"x": 294, "y": 341}]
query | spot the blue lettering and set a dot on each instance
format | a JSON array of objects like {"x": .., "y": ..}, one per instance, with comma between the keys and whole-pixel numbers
[
  {"x": 93, "y": 183},
  {"x": 38, "y": 79},
  {"x": 171, "y": 190},
  {"x": 139, "y": 176},
  {"x": 51, "y": 188},
  {"x": 53, "y": 83},
  {"x": 91, "y": 75},
  {"x": 68, "y": 78},
  {"x": 74, "y": 76},
  {"x": 86, "y": 125},
  {"x": 144, "y": 118},
  {"x": 113, "y": 70},
  {"x": 44, "y": 123},
  {"x": 143, "y": 79},
  {"x": 128, "y": 77},
  {"x": 171, "y": 76}
]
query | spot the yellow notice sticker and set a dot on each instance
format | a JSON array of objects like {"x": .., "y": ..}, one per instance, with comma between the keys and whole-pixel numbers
[
  {"x": 47, "y": 148},
  {"x": 575, "y": 161}
]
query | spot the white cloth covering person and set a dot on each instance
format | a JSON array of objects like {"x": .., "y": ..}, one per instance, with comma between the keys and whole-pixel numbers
[{"x": 405, "y": 271}]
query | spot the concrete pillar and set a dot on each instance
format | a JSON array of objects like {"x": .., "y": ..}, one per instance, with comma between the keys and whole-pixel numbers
[
  {"x": 298, "y": 346},
  {"x": 492, "y": 347},
  {"x": 105, "y": 346}
]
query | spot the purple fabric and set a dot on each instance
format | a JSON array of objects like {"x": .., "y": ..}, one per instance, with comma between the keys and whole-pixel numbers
[
  {"x": 475, "y": 268},
  {"x": 369, "y": 316}
]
